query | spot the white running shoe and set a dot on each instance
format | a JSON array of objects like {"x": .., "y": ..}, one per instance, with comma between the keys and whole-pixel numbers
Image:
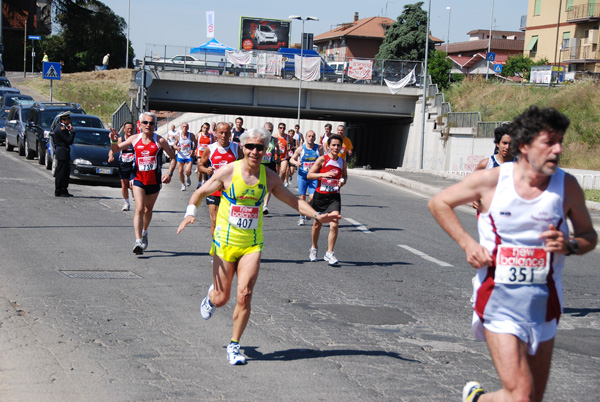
[
  {"x": 188, "y": 181},
  {"x": 233, "y": 354},
  {"x": 330, "y": 258},
  {"x": 144, "y": 240},
  {"x": 138, "y": 248},
  {"x": 472, "y": 391},
  {"x": 125, "y": 207},
  {"x": 206, "y": 308},
  {"x": 182, "y": 187},
  {"x": 265, "y": 210},
  {"x": 313, "y": 255},
  {"x": 301, "y": 221},
  {"x": 286, "y": 183}
]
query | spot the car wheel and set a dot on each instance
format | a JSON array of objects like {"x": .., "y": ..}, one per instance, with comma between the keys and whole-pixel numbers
[
  {"x": 48, "y": 160},
  {"x": 21, "y": 147},
  {"x": 53, "y": 168},
  {"x": 41, "y": 154},
  {"x": 195, "y": 71},
  {"x": 28, "y": 153},
  {"x": 7, "y": 146}
]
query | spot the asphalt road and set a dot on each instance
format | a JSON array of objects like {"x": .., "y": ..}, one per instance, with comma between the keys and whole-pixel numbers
[{"x": 82, "y": 318}]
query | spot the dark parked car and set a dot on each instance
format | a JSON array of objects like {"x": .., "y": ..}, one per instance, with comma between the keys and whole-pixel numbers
[
  {"x": 7, "y": 101},
  {"x": 39, "y": 121},
  {"x": 15, "y": 128},
  {"x": 89, "y": 156},
  {"x": 4, "y": 82}
]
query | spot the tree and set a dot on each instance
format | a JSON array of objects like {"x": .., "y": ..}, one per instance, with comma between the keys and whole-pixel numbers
[
  {"x": 88, "y": 30},
  {"x": 439, "y": 69},
  {"x": 520, "y": 66},
  {"x": 405, "y": 39}
]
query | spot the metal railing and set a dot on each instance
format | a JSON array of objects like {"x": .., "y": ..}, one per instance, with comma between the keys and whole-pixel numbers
[
  {"x": 583, "y": 11},
  {"x": 160, "y": 58},
  {"x": 485, "y": 129},
  {"x": 122, "y": 115}
]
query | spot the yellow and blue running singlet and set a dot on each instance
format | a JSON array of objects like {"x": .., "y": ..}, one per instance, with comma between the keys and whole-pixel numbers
[{"x": 240, "y": 215}]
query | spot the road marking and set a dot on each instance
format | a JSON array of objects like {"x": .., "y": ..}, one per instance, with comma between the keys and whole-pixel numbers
[
  {"x": 359, "y": 225},
  {"x": 425, "y": 256}
]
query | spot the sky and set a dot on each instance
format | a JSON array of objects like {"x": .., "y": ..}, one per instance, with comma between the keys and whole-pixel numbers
[{"x": 183, "y": 22}]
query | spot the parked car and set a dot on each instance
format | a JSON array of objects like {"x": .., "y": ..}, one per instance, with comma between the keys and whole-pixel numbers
[
  {"x": 80, "y": 120},
  {"x": 4, "y": 82},
  {"x": 7, "y": 101},
  {"x": 327, "y": 72},
  {"x": 15, "y": 128},
  {"x": 89, "y": 156},
  {"x": 39, "y": 121},
  {"x": 265, "y": 34},
  {"x": 5, "y": 90},
  {"x": 178, "y": 63}
]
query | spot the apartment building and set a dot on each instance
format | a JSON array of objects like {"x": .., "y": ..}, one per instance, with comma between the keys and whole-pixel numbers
[{"x": 565, "y": 32}]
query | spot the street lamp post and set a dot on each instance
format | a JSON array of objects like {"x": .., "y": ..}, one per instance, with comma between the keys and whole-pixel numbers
[
  {"x": 487, "y": 62},
  {"x": 424, "y": 83},
  {"x": 127, "y": 45},
  {"x": 297, "y": 17},
  {"x": 448, "y": 41}
]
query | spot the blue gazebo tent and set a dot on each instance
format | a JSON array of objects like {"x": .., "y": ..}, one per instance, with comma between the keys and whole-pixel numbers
[{"x": 213, "y": 46}]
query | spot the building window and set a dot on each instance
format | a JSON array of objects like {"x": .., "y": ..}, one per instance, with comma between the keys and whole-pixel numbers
[
  {"x": 538, "y": 7},
  {"x": 532, "y": 46},
  {"x": 566, "y": 40},
  {"x": 569, "y": 5}
]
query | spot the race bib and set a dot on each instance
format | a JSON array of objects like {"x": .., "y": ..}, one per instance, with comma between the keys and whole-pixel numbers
[
  {"x": 267, "y": 157},
  {"x": 290, "y": 153},
  {"x": 244, "y": 217},
  {"x": 202, "y": 147},
  {"x": 521, "y": 265},
  {"x": 307, "y": 165},
  {"x": 330, "y": 185},
  {"x": 126, "y": 158},
  {"x": 146, "y": 163}
]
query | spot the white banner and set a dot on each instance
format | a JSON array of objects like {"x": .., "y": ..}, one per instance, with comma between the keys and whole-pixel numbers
[
  {"x": 311, "y": 68},
  {"x": 210, "y": 24},
  {"x": 396, "y": 86},
  {"x": 360, "y": 69},
  {"x": 238, "y": 57},
  {"x": 269, "y": 64}
]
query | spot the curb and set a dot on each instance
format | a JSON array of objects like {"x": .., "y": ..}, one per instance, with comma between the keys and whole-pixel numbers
[{"x": 378, "y": 174}]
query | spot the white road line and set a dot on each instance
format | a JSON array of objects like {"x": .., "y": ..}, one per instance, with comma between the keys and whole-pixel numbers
[
  {"x": 425, "y": 256},
  {"x": 359, "y": 225}
]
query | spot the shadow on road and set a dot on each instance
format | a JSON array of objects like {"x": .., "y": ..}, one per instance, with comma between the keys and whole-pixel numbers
[{"x": 299, "y": 354}]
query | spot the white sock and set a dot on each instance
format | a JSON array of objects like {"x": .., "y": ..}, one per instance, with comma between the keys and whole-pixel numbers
[{"x": 144, "y": 232}]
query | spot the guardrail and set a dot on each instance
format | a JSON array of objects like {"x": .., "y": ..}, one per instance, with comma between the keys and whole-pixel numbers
[
  {"x": 160, "y": 58},
  {"x": 588, "y": 181},
  {"x": 122, "y": 115},
  {"x": 464, "y": 119}
]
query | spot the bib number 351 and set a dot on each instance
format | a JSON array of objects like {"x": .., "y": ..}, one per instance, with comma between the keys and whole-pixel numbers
[{"x": 521, "y": 265}]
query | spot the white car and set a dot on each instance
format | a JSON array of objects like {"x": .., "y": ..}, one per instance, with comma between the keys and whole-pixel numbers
[
  {"x": 179, "y": 62},
  {"x": 265, "y": 34}
]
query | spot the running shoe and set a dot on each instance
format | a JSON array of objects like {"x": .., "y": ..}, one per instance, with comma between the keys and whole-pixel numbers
[
  {"x": 182, "y": 187},
  {"x": 330, "y": 258},
  {"x": 233, "y": 354},
  {"x": 144, "y": 240},
  {"x": 301, "y": 221},
  {"x": 188, "y": 181},
  {"x": 265, "y": 210},
  {"x": 206, "y": 308},
  {"x": 472, "y": 391},
  {"x": 286, "y": 183},
  {"x": 138, "y": 247},
  {"x": 313, "y": 255},
  {"x": 125, "y": 207}
]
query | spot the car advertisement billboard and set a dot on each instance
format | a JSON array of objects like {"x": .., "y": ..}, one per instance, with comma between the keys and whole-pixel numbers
[{"x": 264, "y": 34}]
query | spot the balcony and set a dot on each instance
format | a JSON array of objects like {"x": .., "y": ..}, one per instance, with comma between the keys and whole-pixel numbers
[
  {"x": 523, "y": 23},
  {"x": 583, "y": 13},
  {"x": 584, "y": 53}
]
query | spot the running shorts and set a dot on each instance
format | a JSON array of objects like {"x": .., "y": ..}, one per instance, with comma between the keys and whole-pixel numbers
[
  {"x": 326, "y": 202},
  {"x": 233, "y": 253},
  {"x": 305, "y": 184},
  {"x": 181, "y": 160},
  {"x": 213, "y": 200},
  {"x": 149, "y": 189},
  {"x": 125, "y": 174}
]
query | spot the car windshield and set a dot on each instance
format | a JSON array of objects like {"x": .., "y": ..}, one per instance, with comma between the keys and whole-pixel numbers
[
  {"x": 10, "y": 100},
  {"x": 87, "y": 121},
  {"x": 92, "y": 138},
  {"x": 4, "y": 83},
  {"x": 47, "y": 118}
]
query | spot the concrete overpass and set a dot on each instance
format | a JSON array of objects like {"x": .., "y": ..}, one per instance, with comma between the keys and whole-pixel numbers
[{"x": 378, "y": 122}]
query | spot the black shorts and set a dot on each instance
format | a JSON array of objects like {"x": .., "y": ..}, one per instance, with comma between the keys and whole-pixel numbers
[
  {"x": 326, "y": 202},
  {"x": 271, "y": 165},
  {"x": 125, "y": 174},
  {"x": 148, "y": 188},
  {"x": 213, "y": 200}
]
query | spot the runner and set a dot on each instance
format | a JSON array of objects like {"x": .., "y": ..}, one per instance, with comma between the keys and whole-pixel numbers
[
  {"x": 126, "y": 159},
  {"x": 204, "y": 140},
  {"x": 270, "y": 161},
  {"x": 292, "y": 148},
  {"x": 502, "y": 154},
  {"x": 238, "y": 241},
  {"x": 331, "y": 172},
  {"x": 520, "y": 256},
  {"x": 147, "y": 181},
  {"x": 283, "y": 144},
  {"x": 184, "y": 144},
  {"x": 215, "y": 156},
  {"x": 347, "y": 148},
  {"x": 304, "y": 157},
  {"x": 237, "y": 130}
]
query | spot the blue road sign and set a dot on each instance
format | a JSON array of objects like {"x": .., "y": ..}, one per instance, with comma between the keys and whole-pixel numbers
[
  {"x": 51, "y": 70},
  {"x": 498, "y": 68},
  {"x": 491, "y": 56},
  {"x": 34, "y": 37}
]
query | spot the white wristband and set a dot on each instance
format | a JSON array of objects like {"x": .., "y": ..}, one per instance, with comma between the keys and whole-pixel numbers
[{"x": 190, "y": 211}]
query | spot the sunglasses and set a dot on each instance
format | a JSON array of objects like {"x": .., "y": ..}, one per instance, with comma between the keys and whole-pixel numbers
[
  {"x": 147, "y": 123},
  {"x": 258, "y": 147}
]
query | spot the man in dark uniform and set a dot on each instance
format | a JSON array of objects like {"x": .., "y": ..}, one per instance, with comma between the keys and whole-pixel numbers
[{"x": 63, "y": 138}]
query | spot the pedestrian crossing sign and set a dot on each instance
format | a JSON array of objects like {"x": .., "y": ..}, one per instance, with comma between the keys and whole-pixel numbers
[{"x": 51, "y": 70}]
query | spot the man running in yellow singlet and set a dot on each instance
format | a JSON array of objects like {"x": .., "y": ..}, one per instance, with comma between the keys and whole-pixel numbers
[{"x": 238, "y": 238}]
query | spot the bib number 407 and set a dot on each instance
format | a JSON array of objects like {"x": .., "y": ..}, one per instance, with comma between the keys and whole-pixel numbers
[{"x": 244, "y": 223}]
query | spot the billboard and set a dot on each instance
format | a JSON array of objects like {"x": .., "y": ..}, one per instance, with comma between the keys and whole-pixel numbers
[{"x": 264, "y": 33}]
